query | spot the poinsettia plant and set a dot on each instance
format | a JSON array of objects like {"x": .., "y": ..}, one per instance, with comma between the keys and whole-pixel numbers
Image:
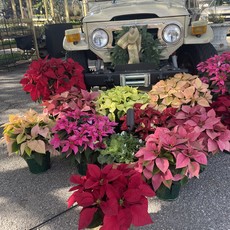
[
  {"x": 222, "y": 108},
  {"x": 28, "y": 133},
  {"x": 146, "y": 119},
  {"x": 114, "y": 197},
  {"x": 170, "y": 155},
  {"x": 216, "y": 72},
  {"x": 119, "y": 148},
  {"x": 206, "y": 126},
  {"x": 69, "y": 101},
  {"x": 75, "y": 131},
  {"x": 45, "y": 78},
  {"x": 115, "y": 102},
  {"x": 181, "y": 89}
]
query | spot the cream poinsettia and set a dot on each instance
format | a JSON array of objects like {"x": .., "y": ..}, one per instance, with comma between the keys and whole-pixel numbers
[
  {"x": 29, "y": 132},
  {"x": 181, "y": 89}
]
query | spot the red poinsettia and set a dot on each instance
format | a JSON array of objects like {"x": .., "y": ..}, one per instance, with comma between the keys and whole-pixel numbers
[
  {"x": 46, "y": 78},
  {"x": 114, "y": 197},
  {"x": 222, "y": 108},
  {"x": 147, "y": 119}
]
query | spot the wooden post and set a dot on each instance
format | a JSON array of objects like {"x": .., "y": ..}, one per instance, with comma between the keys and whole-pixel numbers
[
  {"x": 14, "y": 8},
  {"x": 21, "y": 9},
  {"x": 66, "y": 10},
  {"x": 52, "y": 8},
  {"x": 28, "y": 8},
  {"x": 46, "y": 9}
]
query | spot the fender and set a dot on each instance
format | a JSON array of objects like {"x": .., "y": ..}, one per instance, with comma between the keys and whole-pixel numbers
[{"x": 204, "y": 38}]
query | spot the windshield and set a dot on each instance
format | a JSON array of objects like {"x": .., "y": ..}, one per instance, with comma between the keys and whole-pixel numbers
[{"x": 220, "y": 3}]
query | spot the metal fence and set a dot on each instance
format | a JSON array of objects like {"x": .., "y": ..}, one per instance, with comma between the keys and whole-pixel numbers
[{"x": 18, "y": 42}]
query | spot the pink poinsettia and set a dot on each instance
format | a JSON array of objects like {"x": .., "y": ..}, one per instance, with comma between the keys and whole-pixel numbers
[
  {"x": 46, "y": 78},
  {"x": 170, "y": 155},
  {"x": 76, "y": 131},
  {"x": 216, "y": 72},
  {"x": 206, "y": 126},
  {"x": 114, "y": 197}
]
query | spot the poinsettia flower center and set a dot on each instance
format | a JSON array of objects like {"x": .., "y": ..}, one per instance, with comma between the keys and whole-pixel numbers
[
  {"x": 101, "y": 181},
  {"x": 121, "y": 202}
]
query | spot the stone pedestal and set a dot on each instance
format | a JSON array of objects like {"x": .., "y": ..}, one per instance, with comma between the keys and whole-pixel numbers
[{"x": 220, "y": 32}]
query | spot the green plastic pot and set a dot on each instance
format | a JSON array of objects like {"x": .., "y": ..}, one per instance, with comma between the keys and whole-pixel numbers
[
  {"x": 37, "y": 162},
  {"x": 164, "y": 193}
]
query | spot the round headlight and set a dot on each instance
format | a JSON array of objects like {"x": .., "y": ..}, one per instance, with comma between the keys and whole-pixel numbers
[
  {"x": 171, "y": 33},
  {"x": 100, "y": 38}
]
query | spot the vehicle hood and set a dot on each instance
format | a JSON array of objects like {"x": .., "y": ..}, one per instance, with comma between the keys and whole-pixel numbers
[
  {"x": 216, "y": 10},
  {"x": 162, "y": 8}
]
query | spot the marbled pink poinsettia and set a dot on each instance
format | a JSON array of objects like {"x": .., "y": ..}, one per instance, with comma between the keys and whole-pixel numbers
[{"x": 170, "y": 155}]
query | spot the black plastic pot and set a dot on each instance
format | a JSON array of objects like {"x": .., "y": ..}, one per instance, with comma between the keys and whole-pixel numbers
[
  {"x": 38, "y": 162},
  {"x": 167, "y": 194},
  {"x": 24, "y": 42},
  {"x": 54, "y": 38}
]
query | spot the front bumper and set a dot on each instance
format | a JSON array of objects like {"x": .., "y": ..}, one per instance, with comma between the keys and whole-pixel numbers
[{"x": 138, "y": 75}]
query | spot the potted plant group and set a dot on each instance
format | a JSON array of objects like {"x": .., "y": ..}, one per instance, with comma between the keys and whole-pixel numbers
[
  {"x": 28, "y": 136},
  {"x": 114, "y": 197}
]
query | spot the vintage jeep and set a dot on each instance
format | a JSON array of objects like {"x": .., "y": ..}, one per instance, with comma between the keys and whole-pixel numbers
[{"x": 182, "y": 39}]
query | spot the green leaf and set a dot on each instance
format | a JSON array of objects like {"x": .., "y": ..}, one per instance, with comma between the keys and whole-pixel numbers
[
  {"x": 28, "y": 150},
  {"x": 21, "y": 138},
  {"x": 15, "y": 147}
]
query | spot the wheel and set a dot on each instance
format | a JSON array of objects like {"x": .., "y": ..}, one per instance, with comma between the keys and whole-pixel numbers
[
  {"x": 189, "y": 56},
  {"x": 80, "y": 57}
]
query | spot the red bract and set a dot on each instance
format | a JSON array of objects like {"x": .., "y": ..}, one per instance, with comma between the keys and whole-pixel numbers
[
  {"x": 170, "y": 155},
  {"x": 146, "y": 120},
  {"x": 205, "y": 126},
  {"x": 69, "y": 101},
  {"x": 117, "y": 194},
  {"x": 222, "y": 108},
  {"x": 46, "y": 78}
]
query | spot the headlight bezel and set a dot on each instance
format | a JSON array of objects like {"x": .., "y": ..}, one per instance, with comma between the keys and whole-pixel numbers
[
  {"x": 167, "y": 27},
  {"x": 93, "y": 34}
]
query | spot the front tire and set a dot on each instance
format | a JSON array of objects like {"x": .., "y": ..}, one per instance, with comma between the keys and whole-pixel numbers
[{"x": 189, "y": 56}]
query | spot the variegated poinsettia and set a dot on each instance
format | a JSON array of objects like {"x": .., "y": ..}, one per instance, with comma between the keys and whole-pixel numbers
[
  {"x": 27, "y": 133},
  {"x": 181, "y": 89},
  {"x": 115, "y": 102}
]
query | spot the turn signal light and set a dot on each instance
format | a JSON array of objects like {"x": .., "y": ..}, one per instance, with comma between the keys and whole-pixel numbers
[
  {"x": 199, "y": 27},
  {"x": 72, "y": 35}
]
